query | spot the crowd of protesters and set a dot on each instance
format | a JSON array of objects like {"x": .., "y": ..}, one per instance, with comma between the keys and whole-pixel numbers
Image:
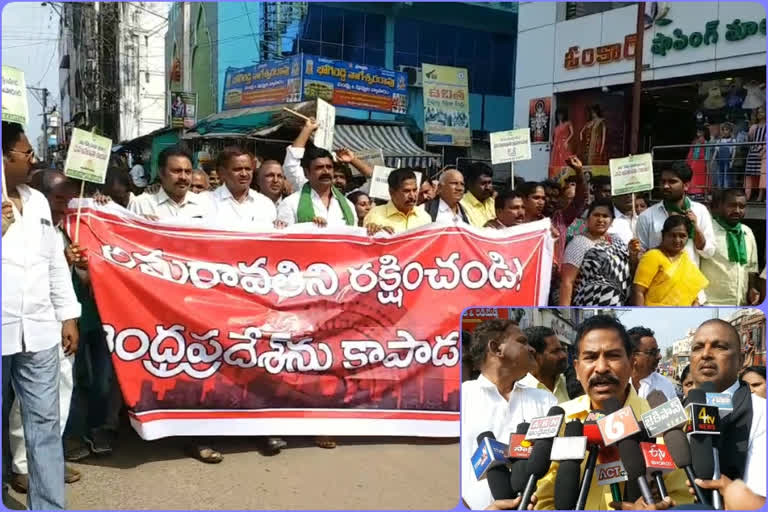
[{"x": 676, "y": 252}]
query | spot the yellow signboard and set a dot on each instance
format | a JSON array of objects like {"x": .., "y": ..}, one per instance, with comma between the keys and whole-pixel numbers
[{"x": 446, "y": 106}]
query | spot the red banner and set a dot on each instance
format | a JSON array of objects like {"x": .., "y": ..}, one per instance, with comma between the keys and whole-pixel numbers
[{"x": 302, "y": 331}]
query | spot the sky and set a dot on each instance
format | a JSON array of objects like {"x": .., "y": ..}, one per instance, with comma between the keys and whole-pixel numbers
[
  {"x": 30, "y": 43},
  {"x": 670, "y": 324}
]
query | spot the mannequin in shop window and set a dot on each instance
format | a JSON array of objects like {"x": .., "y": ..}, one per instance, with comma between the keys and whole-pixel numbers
[
  {"x": 754, "y": 174},
  {"x": 698, "y": 156},
  {"x": 592, "y": 136},
  {"x": 561, "y": 142},
  {"x": 723, "y": 156}
]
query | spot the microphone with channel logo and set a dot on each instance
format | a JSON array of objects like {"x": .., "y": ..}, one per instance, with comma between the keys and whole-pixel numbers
[
  {"x": 595, "y": 443},
  {"x": 712, "y": 415},
  {"x": 702, "y": 424},
  {"x": 519, "y": 452},
  {"x": 666, "y": 418},
  {"x": 490, "y": 463},
  {"x": 542, "y": 431},
  {"x": 569, "y": 450}
]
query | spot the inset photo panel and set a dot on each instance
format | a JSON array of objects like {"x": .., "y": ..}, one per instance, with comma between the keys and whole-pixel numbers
[{"x": 606, "y": 409}]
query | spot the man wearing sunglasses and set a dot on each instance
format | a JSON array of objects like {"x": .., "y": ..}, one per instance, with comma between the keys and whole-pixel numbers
[
  {"x": 645, "y": 359},
  {"x": 40, "y": 312}
]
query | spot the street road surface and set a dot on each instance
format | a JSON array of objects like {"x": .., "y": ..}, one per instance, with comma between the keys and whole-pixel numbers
[{"x": 361, "y": 473}]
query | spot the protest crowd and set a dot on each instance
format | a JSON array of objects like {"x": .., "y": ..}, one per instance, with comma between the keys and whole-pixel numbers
[
  {"x": 611, "y": 416},
  {"x": 677, "y": 252}
]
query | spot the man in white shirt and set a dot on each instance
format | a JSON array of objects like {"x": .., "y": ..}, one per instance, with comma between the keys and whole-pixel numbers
[
  {"x": 40, "y": 313},
  {"x": 645, "y": 359},
  {"x": 674, "y": 179},
  {"x": 446, "y": 207},
  {"x": 498, "y": 400},
  {"x": 622, "y": 218},
  {"x": 716, "y": 357},
  {"x": 58, "y": 191},
  {"x": 236, "y": 203},
  {"x": 174, "y": 199},
  {"x": 294, "y": 154},
  {"x": 317, "y": 200}
]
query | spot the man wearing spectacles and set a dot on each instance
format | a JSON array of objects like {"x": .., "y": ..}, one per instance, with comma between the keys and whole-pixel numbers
[{"x": 645, "y": 359}]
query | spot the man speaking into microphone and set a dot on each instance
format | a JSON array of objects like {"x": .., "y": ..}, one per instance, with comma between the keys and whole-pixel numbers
[
  {"x": 497, "y": 401},
  {"x": 716, "y": 358},
  {"x": 603, "y": 367}
]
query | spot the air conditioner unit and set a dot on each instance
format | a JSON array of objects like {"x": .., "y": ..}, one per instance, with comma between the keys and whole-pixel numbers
[{"x": 413, "y": 75}]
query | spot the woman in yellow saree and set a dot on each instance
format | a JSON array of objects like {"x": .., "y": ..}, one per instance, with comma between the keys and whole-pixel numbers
[{"x": 666, "y": 276}]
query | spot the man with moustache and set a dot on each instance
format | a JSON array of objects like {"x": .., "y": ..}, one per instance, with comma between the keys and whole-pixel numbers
[
  {"x": 732, "y": 270},
  {"x": 551, "y": 362},
  {"x": 716, "y": 357},
  {"x": 478, "y": 201},
  {"x": 510, "y": 211},
  {"x": 40, "y": 313},
  {"x": 446, "y": 207},
  {"x": 498, "y": 400},
  {"x": 603, "y": 366},
  {"x": 236, "y": 203},
  {"x": 316, "y": 199},
  {"x": 174, "y": 198},
  {"x": 401, "y": 213}
]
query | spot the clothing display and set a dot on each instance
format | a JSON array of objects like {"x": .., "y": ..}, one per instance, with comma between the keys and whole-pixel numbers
[
  {"x": 724, "y": 153},
  {"x": 755, "y": 95},
  {"x": 698, "y": 157},
  {"x": 756, "y": 156},
  {"x": 560, "y": 148},
  {"x": 714, "y": 99},
  {"x": 593, "y": 138}
]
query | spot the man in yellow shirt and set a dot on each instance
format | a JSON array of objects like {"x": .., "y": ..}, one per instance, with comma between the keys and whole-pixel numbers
[
  {"x": 478, "y": 202},
  {"x": 551, "y": 362},
  {"x": 604, "y": 368},
  {"x": 400, "y": 213}
]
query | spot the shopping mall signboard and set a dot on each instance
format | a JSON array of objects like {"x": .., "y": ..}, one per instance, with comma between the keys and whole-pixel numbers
[
  {"x": 304, "y": 77},
  {"x": 666, "y": 38}
]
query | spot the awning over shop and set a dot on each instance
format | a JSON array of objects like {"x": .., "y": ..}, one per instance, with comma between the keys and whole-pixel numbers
[{"x": 394, "y": 141}]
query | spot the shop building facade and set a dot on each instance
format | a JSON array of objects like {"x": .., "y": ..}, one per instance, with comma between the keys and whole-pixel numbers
[{"x": 703, "y": 64}]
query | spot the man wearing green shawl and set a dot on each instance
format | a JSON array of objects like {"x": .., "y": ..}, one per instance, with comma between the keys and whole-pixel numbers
[
  {"x": 317, "y": 200},
  {"x": 674, "y": 186},
  {"x": 732, "y": 270}
]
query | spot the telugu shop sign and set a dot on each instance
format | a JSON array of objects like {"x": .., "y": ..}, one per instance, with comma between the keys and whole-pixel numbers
[
  {"x": 661, "y": 44},
  {"x": 304, "y": 77}
]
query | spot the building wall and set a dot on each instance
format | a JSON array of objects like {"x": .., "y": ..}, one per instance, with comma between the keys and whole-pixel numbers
[
  {"x": 544, "y": 38},
  {"x": 142, "y": 78}
]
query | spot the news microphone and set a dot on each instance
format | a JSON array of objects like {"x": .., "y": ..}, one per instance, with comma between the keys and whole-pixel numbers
[
  {"x": 701, "y": 444},
  {"x": 567, "y": 479},
  {"x": 611, "y": 407},
  {"x": 492, "y": 466},
  {"x": 717, "y": 500},
  {"x": 634, "y": 464},
  {"x": 594, "y": 441},
  {"x": 519, "y": 452},
  {"x": 674, "y": 438},
  {"x": 539, "y": 463}
]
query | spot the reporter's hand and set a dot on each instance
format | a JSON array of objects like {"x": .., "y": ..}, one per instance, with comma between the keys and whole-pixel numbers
[
  {"x": 640, "y": 504},
  {"x": 511, "y": 504}
]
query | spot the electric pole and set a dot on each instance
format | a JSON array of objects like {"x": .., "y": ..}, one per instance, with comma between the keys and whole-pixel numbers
[{"x": 44, "y": 92}]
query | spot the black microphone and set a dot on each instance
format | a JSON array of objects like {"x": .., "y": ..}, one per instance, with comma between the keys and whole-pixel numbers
[
  {"x": 539, "y": 463},
  {"x": 655, "y": 397},
  {"x": 701, "y": 444},
  {"x": 497, "y": 476},
  {"x": 634, "y": 464},
  {"x": 518, "y": 472},
  {"x": 717, "y": 500},
  {"x": 567, "y": 479},
  {"x": 594, "y": 442}
]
